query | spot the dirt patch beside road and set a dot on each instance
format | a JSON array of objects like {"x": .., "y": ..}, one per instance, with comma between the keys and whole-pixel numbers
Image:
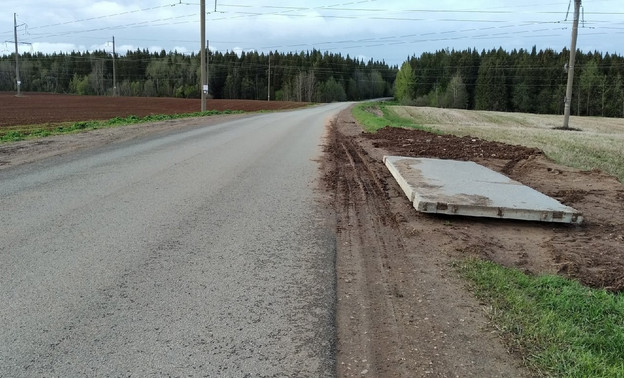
[
  {"x": 402, "y": 309},
  {"x": 592, "y": 253}
]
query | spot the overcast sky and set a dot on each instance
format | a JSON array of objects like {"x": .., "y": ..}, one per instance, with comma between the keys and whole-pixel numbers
[{"x": 387, "y": 30}]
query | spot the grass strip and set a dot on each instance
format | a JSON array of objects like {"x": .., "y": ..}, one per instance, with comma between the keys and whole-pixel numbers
[
  {"x": 375, "y": 115},
  {"x": 561, "y": 327},
  {"x": 13, "y": 134}
]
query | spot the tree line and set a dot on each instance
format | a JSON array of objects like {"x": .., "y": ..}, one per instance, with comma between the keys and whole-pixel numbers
[
  {"x": 306, "y": 76},
  {"x": 517, "y": 81}
]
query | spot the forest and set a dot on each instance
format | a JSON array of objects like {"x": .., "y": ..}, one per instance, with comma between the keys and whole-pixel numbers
[
  {"x": 517, "y": 81},
  {"x": 307, "y": 76}
]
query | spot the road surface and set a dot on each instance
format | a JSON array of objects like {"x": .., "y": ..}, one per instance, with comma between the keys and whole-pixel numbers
[{"x": 197, "y": 253}]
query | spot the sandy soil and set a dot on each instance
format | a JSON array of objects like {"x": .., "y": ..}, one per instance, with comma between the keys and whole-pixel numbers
[{"x": 402, "y": 309}]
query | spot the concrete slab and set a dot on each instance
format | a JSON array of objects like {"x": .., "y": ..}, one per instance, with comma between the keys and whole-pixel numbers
[{"x": 469, "y": 189}]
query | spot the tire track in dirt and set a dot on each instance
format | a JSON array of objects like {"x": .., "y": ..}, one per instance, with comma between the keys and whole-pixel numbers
[
  {"x": 362, "y": 263},
  {"x": 402, "y": 311}
]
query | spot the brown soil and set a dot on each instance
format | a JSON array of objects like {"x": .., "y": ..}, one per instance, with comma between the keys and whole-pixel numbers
[
  {"x": 49, "y": 109},
  {"x": 402, "y": 309},
  {"x": 38, "y": 108}
]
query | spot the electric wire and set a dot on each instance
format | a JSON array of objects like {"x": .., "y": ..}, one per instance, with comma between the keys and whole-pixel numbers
[{"x": 337, "y": 11}]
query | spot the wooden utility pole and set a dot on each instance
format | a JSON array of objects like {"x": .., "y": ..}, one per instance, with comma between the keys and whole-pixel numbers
[
  {"x": 568, "y": 97},
  {"x": 269, "y": 81},
  {"x": 204, "y": 86},
  {"x": 114, "y": 71},
  {"x": 17, "y": 74},
  {"x": 207, "y": 68}
]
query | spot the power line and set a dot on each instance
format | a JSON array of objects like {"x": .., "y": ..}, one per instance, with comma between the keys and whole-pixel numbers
[
  {"x": 104, "y": 16},
  {"x": 383, "y": 10},
  {"x": 340, "y": 11}
]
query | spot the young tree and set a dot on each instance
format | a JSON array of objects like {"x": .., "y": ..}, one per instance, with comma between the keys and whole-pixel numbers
[
  {"x": 456, "y": 95},
  {"x": 403, "y": 84}
]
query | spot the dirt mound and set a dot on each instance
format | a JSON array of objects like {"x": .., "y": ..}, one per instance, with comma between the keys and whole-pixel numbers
[{"x": 419, "y": 143}]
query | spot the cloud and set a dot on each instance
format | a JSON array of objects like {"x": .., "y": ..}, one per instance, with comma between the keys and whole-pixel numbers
[
  {"x": 103, "y": 8},
  {"x": 390, "y": 30},
  {"x": 51, "y": 48}
]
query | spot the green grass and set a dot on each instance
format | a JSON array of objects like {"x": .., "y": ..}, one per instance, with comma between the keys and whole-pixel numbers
[
  {"x": 17, "y": 133},
  {"x": 376, "y": 115},
  {"x": 561, "y": 327}
]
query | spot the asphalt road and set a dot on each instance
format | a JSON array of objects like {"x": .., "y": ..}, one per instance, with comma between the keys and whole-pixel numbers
[{"x": 198, "y": 253}]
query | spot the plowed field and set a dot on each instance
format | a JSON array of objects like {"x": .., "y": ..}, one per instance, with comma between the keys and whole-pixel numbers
[{"x": 37, "y": 108}]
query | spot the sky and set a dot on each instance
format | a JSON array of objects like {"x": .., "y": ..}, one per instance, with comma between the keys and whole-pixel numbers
[{"x": 383, "y": 30}]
